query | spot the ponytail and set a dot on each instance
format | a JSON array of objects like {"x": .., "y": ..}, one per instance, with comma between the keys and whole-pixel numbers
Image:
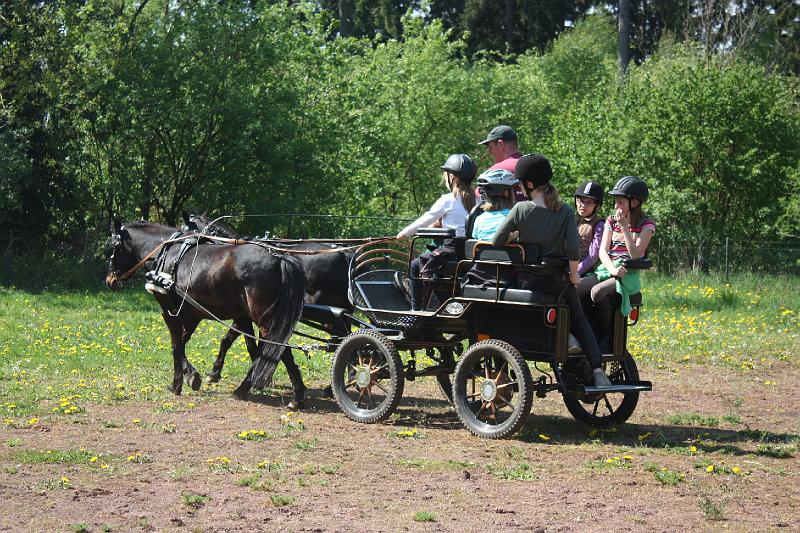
[
  {"x": 462, "y": 189},
  {"x": 551, "y": 199}
]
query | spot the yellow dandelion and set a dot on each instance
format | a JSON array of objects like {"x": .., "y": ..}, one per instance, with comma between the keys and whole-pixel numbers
[
  {"x": 33, "y": 421},
  {"x": 710, "y": 468},
  {"x": 543, "y": 437},
  {"x": 736, "y": 470},
  {"x": 693, "y": 449},
  {"x": 136, "y": 421},
  {"x": 64, "y": 479},
  {"x": 627, "y": 457},
  {"x": 93, "y": 459}
]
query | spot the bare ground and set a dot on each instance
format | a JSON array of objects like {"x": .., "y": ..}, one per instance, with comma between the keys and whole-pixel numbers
[{"x": 336, "y": 475}]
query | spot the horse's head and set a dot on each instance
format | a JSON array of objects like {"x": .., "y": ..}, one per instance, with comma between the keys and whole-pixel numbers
[
  {"x": 190, "y": 223},
  {"x": 119, "y": 254}
]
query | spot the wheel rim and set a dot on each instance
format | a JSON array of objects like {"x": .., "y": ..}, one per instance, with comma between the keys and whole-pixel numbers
[
  {"x": 367, "y": 380},
  {"x": 490, "y": 391}
]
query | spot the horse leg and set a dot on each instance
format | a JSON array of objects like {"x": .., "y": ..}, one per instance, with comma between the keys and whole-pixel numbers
[
  {"x": 216, "y": 372},
  {"x": 178, "y": 352},
  {"x": 189, "y": 373},
  {"x": 298, "y": 387}
]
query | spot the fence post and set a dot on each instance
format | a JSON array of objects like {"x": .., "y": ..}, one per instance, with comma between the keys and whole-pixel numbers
[{"x": 727, "y": 270}]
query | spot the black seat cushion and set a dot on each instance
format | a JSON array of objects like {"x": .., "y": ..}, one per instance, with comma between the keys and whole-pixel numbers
[
  {"x": 507, "y": 295},
  {"x": 636, "y": 298}
]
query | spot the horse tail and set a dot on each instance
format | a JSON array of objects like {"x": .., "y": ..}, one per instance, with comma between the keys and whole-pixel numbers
[{"x": 281, "y": 318}]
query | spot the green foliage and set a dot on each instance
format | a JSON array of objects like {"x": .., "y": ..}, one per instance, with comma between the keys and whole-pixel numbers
[{"x": 146, "y": 109}]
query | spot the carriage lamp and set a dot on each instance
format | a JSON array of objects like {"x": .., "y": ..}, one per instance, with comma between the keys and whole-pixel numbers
[
  {"x": 634, "y": 316},
  {"x": 551, "y": 315},
  {"x": 454, "y": 308}
]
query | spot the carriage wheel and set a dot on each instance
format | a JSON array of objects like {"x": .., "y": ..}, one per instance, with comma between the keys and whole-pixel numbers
[
  {"x": 605, "y": 409},
  {"x": 493, "y": 389},
  {"x": 367, "y": 377}
]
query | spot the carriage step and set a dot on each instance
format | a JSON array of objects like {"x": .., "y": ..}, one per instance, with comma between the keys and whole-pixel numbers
[{"x": 628, "y": 386}]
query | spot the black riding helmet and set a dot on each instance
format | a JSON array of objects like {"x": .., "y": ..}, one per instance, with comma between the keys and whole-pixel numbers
[
  {"x": 462, "y": 166},
  {"x": 533, "y": 168},
  {"x": 630, "y": 187},
  {"x": 496, "y": 182},
  {"x": 590, "y": 189}
]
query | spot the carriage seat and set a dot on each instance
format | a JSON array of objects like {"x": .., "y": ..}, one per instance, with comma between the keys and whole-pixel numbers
[
  {"x": 636, "y": 299},
  {"x": 492, "y": 294}
]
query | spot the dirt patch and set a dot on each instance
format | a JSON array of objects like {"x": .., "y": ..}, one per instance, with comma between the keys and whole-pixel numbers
[{"x": 202, "y": 463}]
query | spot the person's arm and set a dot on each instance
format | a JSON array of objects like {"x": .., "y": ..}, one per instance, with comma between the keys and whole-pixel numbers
[
  {"x": 636, "y": 245},
  {"x": 594, "y": 251},
  {"x": 503, "y": 233},
  {"x": 436, "y": 212},
  {"x": 605, "y": 246}
]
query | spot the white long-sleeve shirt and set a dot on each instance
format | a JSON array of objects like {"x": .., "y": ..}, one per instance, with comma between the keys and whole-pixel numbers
[{"x": 449, "y": 209}]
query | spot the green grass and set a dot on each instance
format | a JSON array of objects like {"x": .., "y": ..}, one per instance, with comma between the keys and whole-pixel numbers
[
  {"x": 424, "y": 516},
  {"x": 69, "y": 457},
  {"x": 64, "y": 351},
  {"x": 747, "y": 323},
  {"x": 693, "y": 419},
  {"x": 195, "y": 501}
]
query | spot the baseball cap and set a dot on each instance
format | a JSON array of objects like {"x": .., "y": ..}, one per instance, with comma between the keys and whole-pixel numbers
[{"x": 500, "y": 133}]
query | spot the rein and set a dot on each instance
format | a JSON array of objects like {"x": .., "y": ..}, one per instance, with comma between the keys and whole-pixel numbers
[{"x": 262, "y": 244}]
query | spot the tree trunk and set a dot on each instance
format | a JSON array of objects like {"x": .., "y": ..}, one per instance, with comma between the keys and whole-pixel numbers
[
  {"x": 346, "y": 11},
  {"x": 511, "y": 16},
  {"x": 624, "y": 41}
]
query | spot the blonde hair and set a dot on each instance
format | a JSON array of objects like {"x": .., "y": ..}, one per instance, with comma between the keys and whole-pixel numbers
[
  {"x": 498, "y": 203},
  {"x": 551, "y": 199},
  {"x": 461, "y": 189}
]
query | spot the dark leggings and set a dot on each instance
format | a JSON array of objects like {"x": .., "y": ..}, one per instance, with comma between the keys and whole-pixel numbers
[
  {"x": 425, "y": 263},
  {"x": 578, "y": 323}
]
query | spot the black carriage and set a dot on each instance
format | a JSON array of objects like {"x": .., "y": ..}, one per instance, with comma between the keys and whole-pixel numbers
[{"x": 497, "y": 331}]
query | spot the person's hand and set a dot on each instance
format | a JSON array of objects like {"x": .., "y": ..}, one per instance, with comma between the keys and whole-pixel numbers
[
  {"x": 437, "y": 224},
  {"x": 618, "y": 272},
  {"x": 400, "y": 236},
  {"x": 624, "y": 220},
  {"x": 574, "y": 278}
]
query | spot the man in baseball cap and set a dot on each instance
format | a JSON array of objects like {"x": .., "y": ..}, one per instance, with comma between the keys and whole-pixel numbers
[{"x": 502, "y": 145}]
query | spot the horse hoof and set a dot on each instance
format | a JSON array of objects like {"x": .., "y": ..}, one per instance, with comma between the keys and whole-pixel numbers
[
  {"x": 176, "y": 390},
  {"x": 195, "y": 381},
  {"x": 239, "y": 395},
  {"x": 296, "y": 405},
  {"x": 213, "y": 378}
]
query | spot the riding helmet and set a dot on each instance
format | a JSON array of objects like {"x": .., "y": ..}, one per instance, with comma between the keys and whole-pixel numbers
[
  {"x": 630, "y": 187},
  {"x": 496, "y": 182},
  {"x": 462, "y": 166},
  {"x": 534, "y": 168},
  {"x": 590, "y": 189}
]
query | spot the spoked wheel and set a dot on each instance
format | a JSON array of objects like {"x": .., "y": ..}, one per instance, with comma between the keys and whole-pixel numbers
[
  {"x": 367, "y": 377},
  {"x": 493, "y": 389},
  {"x": 601, "y": 409}
]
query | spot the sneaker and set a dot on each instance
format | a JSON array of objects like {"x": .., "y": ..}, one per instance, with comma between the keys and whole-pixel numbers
[
  {"x": 600, "y": 379},
  {"x": 573, "y": 346}
]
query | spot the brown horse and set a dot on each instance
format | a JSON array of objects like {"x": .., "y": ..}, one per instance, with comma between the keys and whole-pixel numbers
[{"x": 245, "y": 283}]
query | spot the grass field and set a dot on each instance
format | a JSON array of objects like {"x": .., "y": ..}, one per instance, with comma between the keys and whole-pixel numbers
[
  {"x": 93, "y": 441},
  {"x": 61, "y": 350}
]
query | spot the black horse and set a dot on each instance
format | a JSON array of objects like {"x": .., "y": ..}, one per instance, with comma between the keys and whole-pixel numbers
[
  {"x": 326, "y": 277},
  {"x": 246, "y": 283}
]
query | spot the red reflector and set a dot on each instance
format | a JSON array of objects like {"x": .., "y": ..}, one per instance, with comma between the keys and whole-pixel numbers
[
  {"x": 634, "y": 314},
  {"x": 551, "y": 316}
]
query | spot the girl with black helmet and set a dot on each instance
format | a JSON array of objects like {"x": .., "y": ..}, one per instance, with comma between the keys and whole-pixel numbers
[
  {"x": 626, "y": 234},
  {"x": 450, "y": 210},
  {"x": 545, "y": 221}
]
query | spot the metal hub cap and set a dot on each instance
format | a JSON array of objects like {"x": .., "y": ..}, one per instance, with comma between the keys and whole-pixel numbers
[
  {"x": 488, "y": 390},
  {"x": 363, "y": 377}
]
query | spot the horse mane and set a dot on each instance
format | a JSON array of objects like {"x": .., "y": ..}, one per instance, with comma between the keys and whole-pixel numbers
[{"x": 212, "y": 227}]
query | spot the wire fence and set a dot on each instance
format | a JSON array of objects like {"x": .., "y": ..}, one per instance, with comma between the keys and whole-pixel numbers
[{"x": 25, "y": 260}]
